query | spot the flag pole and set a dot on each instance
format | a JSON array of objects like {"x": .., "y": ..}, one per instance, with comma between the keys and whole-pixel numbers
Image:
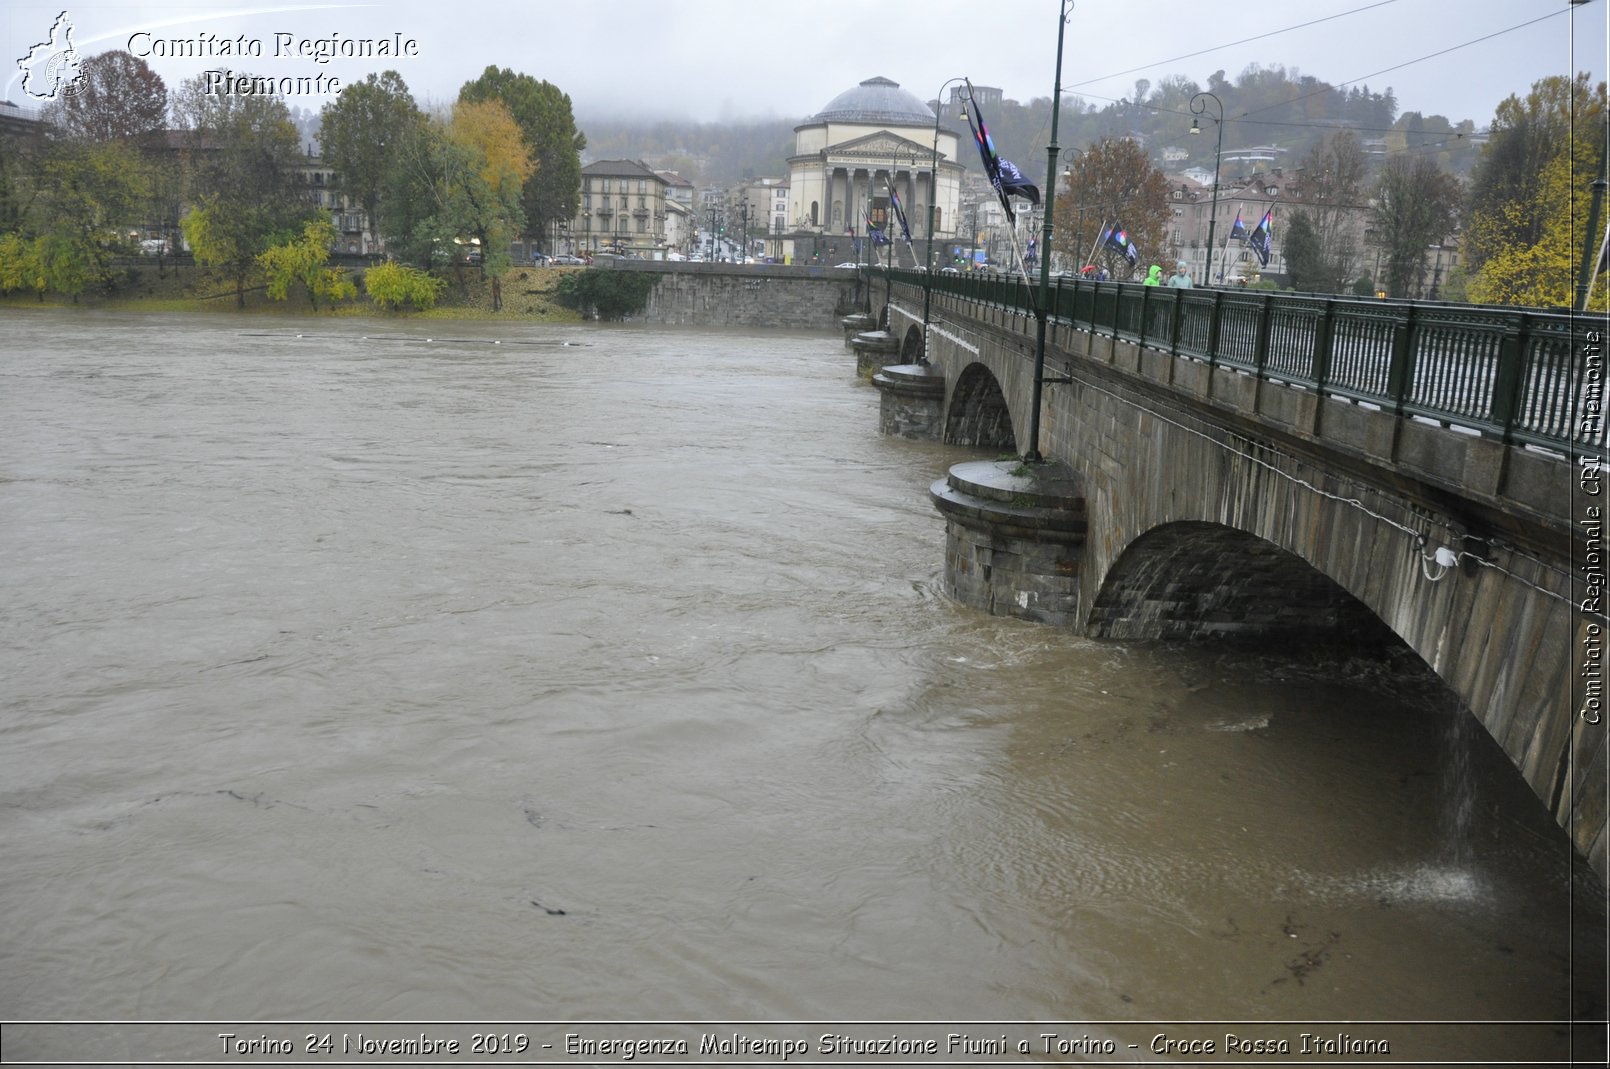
[
  {"x": 1042, "y": 306},
  {"x": 1584, "y": 286},
  {"x": 1593, "y": 279},
  {"x": 1101, "y": 235}
]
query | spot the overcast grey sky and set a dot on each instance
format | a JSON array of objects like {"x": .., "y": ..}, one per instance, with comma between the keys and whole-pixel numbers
[{"x": 736, "y": 59}]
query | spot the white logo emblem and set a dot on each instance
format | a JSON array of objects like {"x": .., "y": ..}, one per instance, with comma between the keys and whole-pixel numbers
[{"x": 51, "y": 66}]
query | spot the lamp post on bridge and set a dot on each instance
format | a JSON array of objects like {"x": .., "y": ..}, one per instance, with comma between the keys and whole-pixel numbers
[
  {"x": 1042, "y": 309},
  {"x": 889, "y": 220},
  {"x": 1198, "y": 107},
  {"x": 933, "y": 204}
]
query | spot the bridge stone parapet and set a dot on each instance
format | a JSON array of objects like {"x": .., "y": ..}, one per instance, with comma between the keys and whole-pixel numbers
[
  {"x": 1222, "y": 502},
  {"x": 748, "y": 295}
]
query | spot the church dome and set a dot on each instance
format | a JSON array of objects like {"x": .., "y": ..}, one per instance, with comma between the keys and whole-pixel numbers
[{"x": 877, "y": 100}]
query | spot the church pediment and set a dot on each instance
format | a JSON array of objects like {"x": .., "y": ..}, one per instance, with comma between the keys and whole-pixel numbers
[{"x": 882, "y": 145}]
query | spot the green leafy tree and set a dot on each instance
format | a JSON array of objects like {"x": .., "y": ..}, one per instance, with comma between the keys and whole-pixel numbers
[
  {"x": 1304, "y": 262},
  {"x": 65, "y": 264},
  {"x": 448, "y": 183},
  {"x": 78, "y": 196},
  {"x": 424, "y": 213},
  {"x": 414, "y": 195},
  {"x": 1506, "y": 209},
  {"x": 18, "y": 262},
  {"x": 1416, "y": 204},
  {"x": 392, "y": 285},
  {"x": 245, "y": 151},
  {"x": 609, "y": 294},
  {"x": 361, "y": 130},
  {"x": 543, "y": 112},
  {"x": 305, "y": 260}
]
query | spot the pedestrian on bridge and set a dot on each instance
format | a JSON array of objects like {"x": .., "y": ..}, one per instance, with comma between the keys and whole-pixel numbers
[
  {"x": 1181, "y": 278},
  {"x": 1154, "y": 276}
]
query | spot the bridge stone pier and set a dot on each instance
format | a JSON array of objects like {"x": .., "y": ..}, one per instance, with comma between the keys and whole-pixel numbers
[{"x": 1205, "y": 498}]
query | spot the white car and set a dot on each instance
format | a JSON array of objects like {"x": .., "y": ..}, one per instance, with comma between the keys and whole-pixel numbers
[{"x": 846, "y": 265}]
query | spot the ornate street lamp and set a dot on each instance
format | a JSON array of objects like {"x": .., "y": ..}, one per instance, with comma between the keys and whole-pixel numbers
[
  {"x": 1199, "y": 106},
  {"x": 933, "y": 202}
]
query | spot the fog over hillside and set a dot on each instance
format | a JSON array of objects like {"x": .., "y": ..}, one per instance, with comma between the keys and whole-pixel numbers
[{"x": 1268, "y": 108}]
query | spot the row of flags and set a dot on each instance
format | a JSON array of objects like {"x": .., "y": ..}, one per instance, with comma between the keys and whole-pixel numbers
[
  {"x": 1261, "y": 240},
  {"x": 875, "y": 232},
  {"x": 1008, "y": 181}
]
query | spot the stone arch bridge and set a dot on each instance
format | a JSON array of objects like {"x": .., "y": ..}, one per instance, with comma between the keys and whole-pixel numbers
[{"x": 1220, "y": 462}]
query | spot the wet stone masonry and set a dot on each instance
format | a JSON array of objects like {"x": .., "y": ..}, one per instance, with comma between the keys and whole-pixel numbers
[
  {"x": 748, "y": 295},
  {"x": 911, "y": 401},
  {"x": 1204, "y": 501},
  {"x": 1014, "y": 539},
  {"x": 873, "y": 350}
]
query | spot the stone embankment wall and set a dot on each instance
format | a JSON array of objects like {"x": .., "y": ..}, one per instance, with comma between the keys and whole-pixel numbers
[{"x": 749, "y": 295}]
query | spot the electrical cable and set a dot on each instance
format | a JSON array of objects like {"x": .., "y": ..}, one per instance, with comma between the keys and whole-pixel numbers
[
  {"x": 1231, "y": 44},
  {"x": 1408, "y": 63}
]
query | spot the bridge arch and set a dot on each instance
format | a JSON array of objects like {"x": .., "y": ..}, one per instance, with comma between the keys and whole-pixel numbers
[
  {"x": 1448, "y": 526},
  {"x": 1193, "y": 579},
  {"x": 911, "y": 345},
  {"x": 978, "y": 413}
]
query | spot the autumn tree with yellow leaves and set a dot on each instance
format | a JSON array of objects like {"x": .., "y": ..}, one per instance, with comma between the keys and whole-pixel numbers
[
  {"x": 1530, "y": 197},
  {"x": 453, "y": 186}
]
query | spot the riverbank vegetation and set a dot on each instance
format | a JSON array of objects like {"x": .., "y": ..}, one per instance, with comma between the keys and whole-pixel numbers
[
  {"x": 527, "y": 293},
  {"x": 102, "y": 187}
]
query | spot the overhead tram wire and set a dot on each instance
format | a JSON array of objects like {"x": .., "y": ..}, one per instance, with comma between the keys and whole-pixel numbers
[
  {"x": 1230, "y": 44},
  {"x": 1444, "y": 138},
  {"x": 1407, "y": 63},
  {"x": 1329, "y": 88}
]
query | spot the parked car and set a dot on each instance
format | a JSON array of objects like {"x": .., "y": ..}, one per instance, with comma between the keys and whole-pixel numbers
[
  {"x": 846, "y": 265},
  {"x": 568, "y": 260},
  {"x": 153, "y": 247}
]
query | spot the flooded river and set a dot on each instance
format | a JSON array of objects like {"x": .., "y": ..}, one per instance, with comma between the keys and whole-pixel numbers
[{"x": 361, "y": 670}]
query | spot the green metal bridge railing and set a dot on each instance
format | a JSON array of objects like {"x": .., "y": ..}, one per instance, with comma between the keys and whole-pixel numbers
[{"x": 1522, "y": 376}]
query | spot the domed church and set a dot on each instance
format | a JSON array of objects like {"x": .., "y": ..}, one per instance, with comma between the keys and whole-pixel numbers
[{"x": 845, "y": 158}]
